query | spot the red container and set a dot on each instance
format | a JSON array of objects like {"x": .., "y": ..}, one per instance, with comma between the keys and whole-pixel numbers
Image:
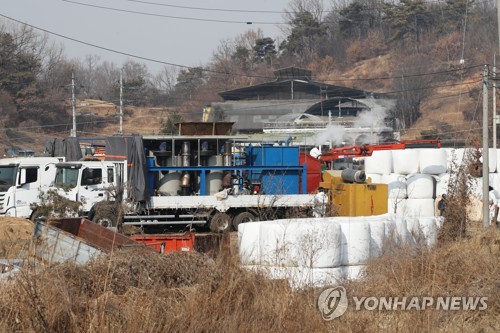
[
  {"x": 313, "y": 171},
  {"x": 166, "y": 243}
]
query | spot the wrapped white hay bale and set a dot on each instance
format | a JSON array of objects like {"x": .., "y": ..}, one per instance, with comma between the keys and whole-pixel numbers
[
  {"x": 420, "y": 186},
  {"x": 405, "y": 161},
  {"x": 432, "y": 161},
  {"x": 413, "y": 229},
  {"x": 380, "y": 162},
  {"x": 476, "y": 187},
  {"x": 429, "y": 230},
  {"x": 353, "y": 272},
  {"x": 494, "y": 179},
  {"x": 248, "y": 243},
  {"x": 401, "y": 235},
  {"x": 375, "y": 178},
  {"x": 313, "y": 244},
  {"x": 321, "y": 277},
  {"x": 420, "y": 207},
  {"x": 272, "y": 247},
  {"x": 492, "y": 160},
  {"x": 390, "y": 232},
  {"x": 397, "y": 206},
  {"x": 355, "y": 242},
  {"x": 396, "y": 184},
  {"x": 455, "y": 157},
  {"x": 377, "y": 236},
  {"x": 442, "y": 183}
]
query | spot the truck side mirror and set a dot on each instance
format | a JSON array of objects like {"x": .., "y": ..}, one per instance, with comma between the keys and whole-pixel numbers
[{"x": 22, "y": 177}]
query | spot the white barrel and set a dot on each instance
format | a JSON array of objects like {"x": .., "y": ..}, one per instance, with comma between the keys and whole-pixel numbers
[
  {"x": 420, "y": 186},
  {"x": 405, "y": 161},
  {"x": 380, "y": 162},
  {"x": 170, "y": 183},
  {"x": 442, "y": 183},
  {"x": 248, "y": 243},
  {"x": 397, "y": 186},
  {"x": 432, "y": 161},
  {"x": 420, "y": 207},
  {"x": 213, "y": 179},
  {"x": 355, "y": 242},
  {"x": 377, "y": 237}
]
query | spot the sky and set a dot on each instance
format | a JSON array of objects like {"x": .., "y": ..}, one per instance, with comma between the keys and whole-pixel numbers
[{"x": 154, "y": 35}]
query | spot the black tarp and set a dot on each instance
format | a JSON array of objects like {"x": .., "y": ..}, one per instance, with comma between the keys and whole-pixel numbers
[
  {"x": 68, "y": 148},
  {"x": 130, "y": 148}
]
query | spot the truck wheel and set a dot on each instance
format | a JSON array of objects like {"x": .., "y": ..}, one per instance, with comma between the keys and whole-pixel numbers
[
  {"x": 242, "y": 218},
  {"x": 220, "y": 222},
  {"x": 105, "y": 214}
]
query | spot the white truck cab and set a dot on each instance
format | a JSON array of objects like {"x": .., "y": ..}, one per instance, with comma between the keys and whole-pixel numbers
[
  {"x": 22, "y": 180},
  {"x": 88, "y": 182}
]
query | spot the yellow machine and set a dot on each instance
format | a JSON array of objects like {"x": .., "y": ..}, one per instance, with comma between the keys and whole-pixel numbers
[{"x": 351, "y": 194}]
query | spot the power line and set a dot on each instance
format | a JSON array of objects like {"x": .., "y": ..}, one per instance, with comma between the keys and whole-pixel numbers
[
  {"x": 170, "y": 16},
  {"x": 212, "y": 9}
]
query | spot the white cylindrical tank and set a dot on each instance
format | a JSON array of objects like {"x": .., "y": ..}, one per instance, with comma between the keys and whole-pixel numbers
[
  {"x": 170, "y": 183},
  {"x": 420, "y": 186},
  {"x": 405, "y": 162},
  {"x": 432, "y": 161},
  {"x": 214, "y": 177}
]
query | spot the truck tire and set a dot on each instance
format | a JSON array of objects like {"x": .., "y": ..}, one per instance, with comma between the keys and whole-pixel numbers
[
  {"x": 220, "y": 222},
  {"x": 106, "y": 214},
  {"x": 242, "y": 218}
]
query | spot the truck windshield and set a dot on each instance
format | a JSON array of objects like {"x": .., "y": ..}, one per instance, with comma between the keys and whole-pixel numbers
[
  {"x": 7, "y": 176},
  {"x": 66, "y": 177}
]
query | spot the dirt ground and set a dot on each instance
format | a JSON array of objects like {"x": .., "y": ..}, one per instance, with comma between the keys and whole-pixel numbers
[{"x": 15, "y": 236}]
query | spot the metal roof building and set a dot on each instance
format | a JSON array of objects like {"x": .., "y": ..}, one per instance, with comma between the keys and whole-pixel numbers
[{"x": 293, "y": 92}]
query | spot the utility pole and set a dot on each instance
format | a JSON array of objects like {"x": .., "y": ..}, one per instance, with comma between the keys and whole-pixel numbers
[
  {"x": 120, "y": 131},
  {"x": 486, "y": 181},
  {"x": 494, "y": 102},
  {"x": 73, "y": 103}
]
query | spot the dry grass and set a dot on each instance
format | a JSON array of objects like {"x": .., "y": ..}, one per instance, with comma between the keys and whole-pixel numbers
[{"x": 133, "y": 291}]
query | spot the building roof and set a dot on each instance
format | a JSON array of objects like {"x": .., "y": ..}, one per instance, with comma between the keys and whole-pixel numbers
[{"x": 290, "y": 80}]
